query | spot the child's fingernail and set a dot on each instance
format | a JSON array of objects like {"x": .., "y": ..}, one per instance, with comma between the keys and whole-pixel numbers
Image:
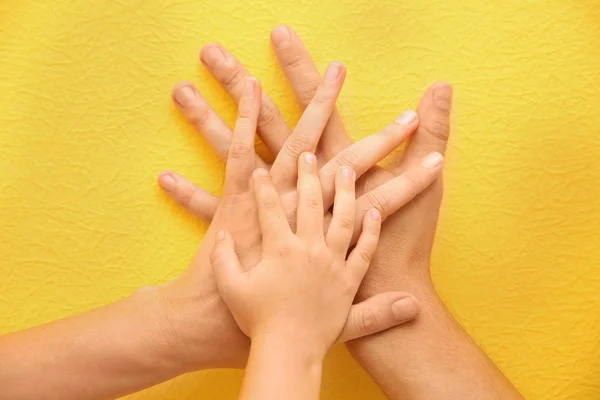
[
  {"x": 404, "y": 309},
  {"x": 310, "y": 158},
  {"x": 249, "y": 87},
  {"x": 407, "y": 117},
  {"x": 220, "y": 235},
  {"x": 184, "y": 96},
  {"x": 213, "y": 56},
  {"x": 261, "y": 172},
  {"x": 347, "y": 172},
  {"x": 375, "y": 215},
  {"x": 333, "y": 71},
  {"x": 433, "y": 160},
  {"x": 167, "y": 182}
]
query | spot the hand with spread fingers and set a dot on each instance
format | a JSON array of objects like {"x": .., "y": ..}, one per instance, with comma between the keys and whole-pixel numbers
[
  {"x": 235, "y": 211},
  {"x": 297, "y": 300},
  {"x": 432, "y": 357}
]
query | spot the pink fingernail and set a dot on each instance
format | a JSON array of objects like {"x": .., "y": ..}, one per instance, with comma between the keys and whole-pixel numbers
[
  {"x": 213, "y": 56},
  {"x": 220, "y": 235},
  {"x": 433, "y": 160},
  {"x": 167, "y": 182},
  {"x": 375, "y": 215},
  {"x": 184, "y": 96},
  {"x": 280, "y": 36},
  {"x": 407, "y": 117},
  {"x": 261, "y": 172},
  {"x": 333, "y": 72},
  {"x": 404, "y": 309},
  {"x": 249, "y": 87},
  {"x": 348, "y": 172},
  {"x": 310, "y": 158}
]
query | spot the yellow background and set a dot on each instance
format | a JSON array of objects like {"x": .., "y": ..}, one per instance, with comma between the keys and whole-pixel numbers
[{"x": 86, "y": 125}]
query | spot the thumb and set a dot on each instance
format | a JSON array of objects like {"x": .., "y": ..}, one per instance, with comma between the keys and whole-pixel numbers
[
  {"x": 379, "y": 313},
  {"x": 224, "y": 260}
]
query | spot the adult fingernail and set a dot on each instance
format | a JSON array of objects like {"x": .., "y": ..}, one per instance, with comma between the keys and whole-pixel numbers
[
  {"x": 310, "y": 158},
  {"x": 404, "y": 309},
  {"x": 184, "y": 96},
  {"x": 220, "y": 235},
  {"x": 333, "y": 71},
  {"x": 249, "y": 88},
  {"x": 433, "y": 160},
  {"x": 213, "y": 56},
  {"x": 442, "y": 96},
  {"x": 281, "y": 35},
  {"x": 261, "y": 172},
  {"x": 407, "y": 117},
  {"x": 375, "y": 215},
  {"x": 348, "y": 172},
  {"x": 167, "y": 182}
]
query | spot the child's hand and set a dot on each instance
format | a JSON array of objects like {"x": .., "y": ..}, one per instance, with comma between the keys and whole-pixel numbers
[{"x": 302, "y": 289}]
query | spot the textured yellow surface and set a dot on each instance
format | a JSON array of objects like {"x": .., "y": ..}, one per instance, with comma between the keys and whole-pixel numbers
[{"x": 86, "y": 124}]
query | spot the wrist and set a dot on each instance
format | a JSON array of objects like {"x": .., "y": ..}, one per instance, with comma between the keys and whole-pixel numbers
[{"x": 290, "y": 349}]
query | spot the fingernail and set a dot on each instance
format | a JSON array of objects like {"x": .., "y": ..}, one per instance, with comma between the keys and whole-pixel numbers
[
  {"x": 221, "y": 235},
  {"x": 375, "y": 215},
  {"x": 407, "y": 117},
  {"x": 310, "y": 158},
  {"x": 348, "y": 172},
  {"x": 442, "y": 96},
  {"x": 404, "y": 309},
  {"x": 280, "y": 36},
  {"x": 185, "y": 96},
  {"x": 213, "y": 56},
  {"x": 261, "y": 172},
  {"x": 333, "y": 72},
  {"x": 433, "y": 160},
  {"x": 249, "y": 88},
  {"x": 167, "y": 182}
]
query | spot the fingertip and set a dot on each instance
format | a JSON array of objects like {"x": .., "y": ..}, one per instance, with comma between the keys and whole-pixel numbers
[
  {"x": 407, "y": 118},
  {"x": 167, "y": 181},
  {"x": 261, "y": 172},
  {"x": 375, "y": 215},
  {"x": 183, "y": 94},
  {"x": 281, "y": 35},
  {"x": 221, "y": 235},
  {"x": 433, "y": 160},
  {"x": 212, "y": 54},
  {"x": 308, "y": 158},
  {"x": 347, "y": 173},
  {"x": 405, "y": 308}
]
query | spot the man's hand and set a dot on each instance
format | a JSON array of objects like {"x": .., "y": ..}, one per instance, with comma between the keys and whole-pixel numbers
[
  {"x": 235, "y": 210},
  {"x": 415, "y": 361}
]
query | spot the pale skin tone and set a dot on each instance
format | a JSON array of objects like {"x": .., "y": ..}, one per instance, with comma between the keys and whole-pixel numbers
[
  {"x": 184, "y": 325},
  {"x": 433, "y": 357},
  {"x": 294, "y": 303}
]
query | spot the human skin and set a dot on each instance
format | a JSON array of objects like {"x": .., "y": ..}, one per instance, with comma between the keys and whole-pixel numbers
[
  {"x": 433, "y": 357},
  {"x": 161, "y": 332},
  {"x": 294, "y": 303}
]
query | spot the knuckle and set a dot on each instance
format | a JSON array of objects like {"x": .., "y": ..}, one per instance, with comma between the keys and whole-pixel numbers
[
  {"x": 269, "y": 202},
  {"x": 283, "y": 250},
  {"x": 313, "y": 201},
  {"x": 346, "y": 222},
  {"x": 239, "y": 150},
  {"x": 233, "y": 79},
  {"x": 438, "y": 128},
  {"x": 268, "y": 114},
  {"x": 200, "y": 114},
  {"x": 296, "y": 145},
  {"x": 379, "y": 200},
  {"x": 366, "y": 255},
  {"x": 308, "y": 92},
  {"x": 347, "y": 158}
]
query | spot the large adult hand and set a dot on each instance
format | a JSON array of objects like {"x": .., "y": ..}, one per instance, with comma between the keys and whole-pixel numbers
[{"x": 235, "y": 212}]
